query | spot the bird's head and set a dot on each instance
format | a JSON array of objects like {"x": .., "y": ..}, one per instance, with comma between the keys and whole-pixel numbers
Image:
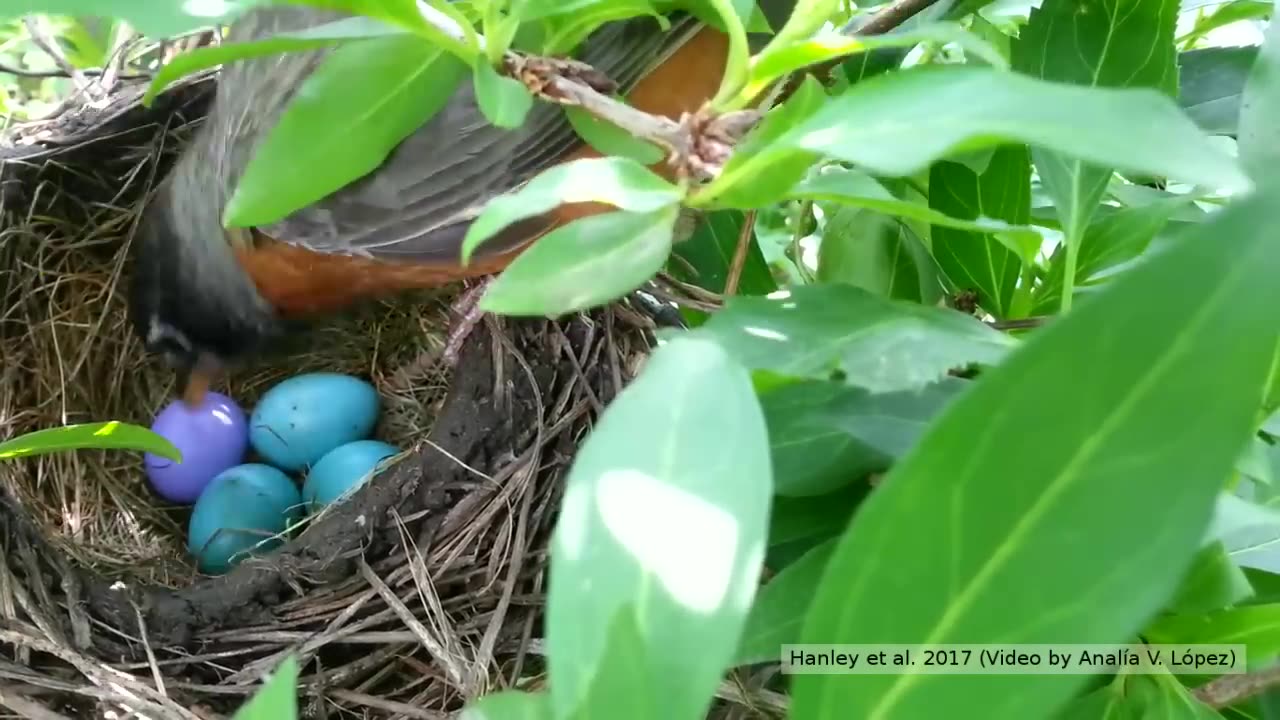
[{"x": 189, "y": 300}]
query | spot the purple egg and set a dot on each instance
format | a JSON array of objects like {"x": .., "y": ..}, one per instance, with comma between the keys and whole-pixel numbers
[{"x": 212, "y": 437}]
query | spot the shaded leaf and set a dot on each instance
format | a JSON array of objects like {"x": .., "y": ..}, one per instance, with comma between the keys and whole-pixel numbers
[
  {"x": 1112, "y": 238},
  {"x": 89, "y": 436},
  {"x": 1154, "y": 409},
  {"x": 795, "y": 519},
  {"x": 1160, "y": 695},
  {"x": 1105, "y": 703},
  {"x": 810, "y": 457},
  {"x": 616, "y": 181},
  {"x": 858, "y": 189},
  {"x": 877, "y": 344},
  {"x": 705, "y": 258},
  {"x": 976, "y": 260},
  {"x": 1211, "y": 82},
  {"x": 779, "y": 609},
  {"x": 345, "y": 119},
  {"x": 583, "y": 264},
  {"x": 877, "y": 253},
  {"x": 1071, "y": 41},
  {"x": 664, "y": 519}
]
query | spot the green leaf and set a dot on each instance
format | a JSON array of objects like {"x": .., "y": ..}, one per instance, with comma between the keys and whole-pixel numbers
[
  {"x": 154, "y": 19},
  {"x": 873, "y": 430},
  {"x": 815, "y": 518},
  {"x": 778, "y": 612},
  {"x": 344, "y": 121},
  {"x": 1226, "y": 14},
  {"x": 609, "y": 139},
  {"x": 705, "y": 258},
  {"x": 1257, "y": 626},
  {"x": 320, "y": 36},
  {"x": 461, "y": 42},
  {"x": 784, "y": 59},
  {"x": 1160, "y": 695},
  {"x": 1213, "y": 582},
  {"x": 810, "y": 457},
  {"x": 1249, "y": 531},
  {"x": 877, "y": 253},
  {"x": 858, "y": 189},
  {"x": 878, "y": 344},
  {"x": 616, "y": 181},
  {"x": 899, "y": 124},
  {"x": 1070, "y": 41},
  {"x": 509, "y": 705},
  {"x": 504, "y": 101},
  {"x": 1105, "y": 703},
  {"x": 784, "y": 170},
  {"x": 583, "y": 264},
  {"x": 1211, "y": 82},
  {"x": 987, "y": 515},
  {"x": 1111, "y": 240},
  {"x": 89, "y": 436},
  {"x": 664, "y": 519},
  {"x": 1259, "y": 132},
  {"x": 623, "y": 685},
  {"x": 973, "y": 259},
  {"x": 566, "y": 32},
  {"x": 277, "y": 699}
]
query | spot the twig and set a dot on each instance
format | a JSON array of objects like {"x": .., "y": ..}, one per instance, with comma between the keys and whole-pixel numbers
[
  {"x": 91, "y": 72},
  {"x": 1231, "y": 689},
  {"x": 740, "y": 254},
  {"x": 50, "y": 48},
  {"x": 700, "y": 142},
  {"x": 898, "y": 12}
]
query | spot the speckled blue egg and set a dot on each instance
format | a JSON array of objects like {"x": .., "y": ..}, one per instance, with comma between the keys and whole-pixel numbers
[
  {"x": 241, "y": 508},
  {"x": 298, "y": 421},
  {"x": 341, "y": 469},
  {"x": 212, "y": 437}
]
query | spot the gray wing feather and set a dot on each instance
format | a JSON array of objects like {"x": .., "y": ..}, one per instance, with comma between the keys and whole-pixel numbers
[{"x": 420, "y": 201}]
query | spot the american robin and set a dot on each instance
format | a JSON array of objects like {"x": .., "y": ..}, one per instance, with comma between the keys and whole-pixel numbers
[{"x": 203, "y": 296}]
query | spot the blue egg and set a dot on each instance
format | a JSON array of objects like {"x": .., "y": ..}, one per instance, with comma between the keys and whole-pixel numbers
[
  {"x": 240, "y": 508},
  {"x": 342, "y": 469},
  {"x": 298, "y": 421}
]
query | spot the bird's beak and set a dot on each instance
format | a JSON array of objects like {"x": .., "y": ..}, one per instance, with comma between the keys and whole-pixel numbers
[{"x": 195, "y": 381}]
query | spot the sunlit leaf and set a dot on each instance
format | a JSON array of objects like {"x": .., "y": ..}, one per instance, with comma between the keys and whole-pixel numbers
[
  {"x": 585, "y": 263},
  {"x": 664, "y": 520},
  {"x": 616, "y": 181},
  {"x": 363, "y": 100},
  {"x": 509, "y": 705},
  {"x": 1259, "y": 132},
  {"x": 278, "y": 696},
  {"x": 90, "y": 436},
  {"x": 504, "y": 101}
]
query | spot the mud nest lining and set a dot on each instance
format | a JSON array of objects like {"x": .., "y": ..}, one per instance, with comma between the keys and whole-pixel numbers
[{"x": 420, "y": 591}]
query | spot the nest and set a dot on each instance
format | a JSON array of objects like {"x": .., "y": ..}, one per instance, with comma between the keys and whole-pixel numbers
[{"x": 419, "y": 592}]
